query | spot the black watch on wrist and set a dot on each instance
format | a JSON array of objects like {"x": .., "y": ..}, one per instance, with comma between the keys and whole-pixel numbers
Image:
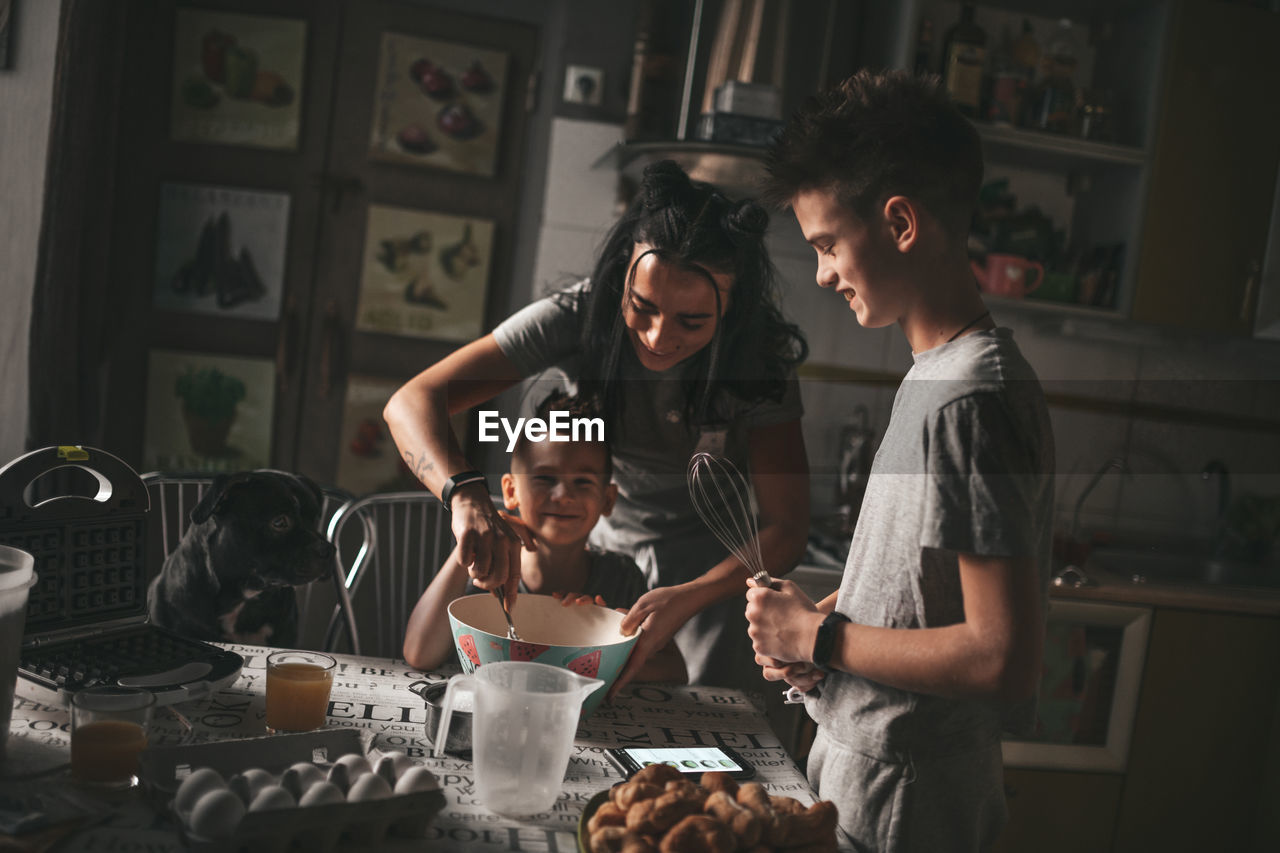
[
  {"x": 825, "y": 643},
  {"x": 462, "y": 478}
]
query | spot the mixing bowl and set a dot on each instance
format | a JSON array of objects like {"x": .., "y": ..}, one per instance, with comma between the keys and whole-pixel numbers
[{"x": 583, "y": 638}]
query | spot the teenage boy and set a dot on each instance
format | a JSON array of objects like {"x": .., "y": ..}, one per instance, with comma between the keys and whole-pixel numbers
[
  {"x": 931, "y": 646},
  {"x": 560, "y": 488}
]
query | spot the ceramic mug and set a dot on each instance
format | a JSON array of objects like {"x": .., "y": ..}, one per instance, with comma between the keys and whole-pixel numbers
[{"x": 1006, "y": 275}]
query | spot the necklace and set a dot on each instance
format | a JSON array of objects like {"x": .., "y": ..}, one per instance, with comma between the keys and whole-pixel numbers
[{"x": 969, "y": 325}]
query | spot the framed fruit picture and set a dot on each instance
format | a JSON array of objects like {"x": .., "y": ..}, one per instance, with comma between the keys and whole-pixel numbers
[
  {"x": 424, "y": 274},
  {"x": 237, "y": 79},
  {"x": 438, "y": 104}
]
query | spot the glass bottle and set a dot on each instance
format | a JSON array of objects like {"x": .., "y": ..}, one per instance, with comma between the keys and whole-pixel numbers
[
  {"x": 1053, "y": 103},
  {"x": 963, "y": 54}
]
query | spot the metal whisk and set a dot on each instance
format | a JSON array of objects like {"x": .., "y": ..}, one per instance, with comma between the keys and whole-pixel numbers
[{"x": 719, "y": 493}]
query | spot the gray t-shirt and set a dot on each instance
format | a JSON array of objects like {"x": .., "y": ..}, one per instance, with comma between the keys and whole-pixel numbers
[
  {"x": 966, "y": 466},
  {"x": 653, "y": 443},
  {"x": 614, "y": 577}
]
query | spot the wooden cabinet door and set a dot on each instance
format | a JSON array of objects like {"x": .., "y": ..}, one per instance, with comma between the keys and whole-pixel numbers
[
  {"x": 1214, "y": 170},
  {"x": 1058, "y": 810},
  {"x": 1196, "y": 762},
  {"x": 336, "y": 350}
]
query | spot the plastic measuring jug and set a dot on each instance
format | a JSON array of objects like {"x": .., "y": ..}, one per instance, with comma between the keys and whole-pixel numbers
[
  {"x": 523, "y": 720},
  {"x": 17, "y": 576}
]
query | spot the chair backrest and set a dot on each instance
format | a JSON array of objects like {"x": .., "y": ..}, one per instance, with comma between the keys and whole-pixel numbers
[
  {"x": 390, "y": 545},
  {"x": 175, "y": 494}
]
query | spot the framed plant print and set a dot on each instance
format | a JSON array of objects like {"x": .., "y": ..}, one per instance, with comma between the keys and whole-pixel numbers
[
  {"x": 237, "y": 79},
  {"x": 220, "y": 250},
  {"x": 424, "y": 274},
  {"x": 208, "y": 412},
  {"x": 438, "y": 104}
]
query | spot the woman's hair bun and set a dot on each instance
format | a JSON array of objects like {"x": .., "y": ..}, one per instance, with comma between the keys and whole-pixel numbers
[
  {"x": 747, "y": 219},
  {"x": 665, "y": 184}
]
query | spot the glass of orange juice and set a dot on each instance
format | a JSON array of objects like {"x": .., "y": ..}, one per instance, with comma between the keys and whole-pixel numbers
[
  {"x": 108, "y": 731},
  {"x": 298, "y": 690}
]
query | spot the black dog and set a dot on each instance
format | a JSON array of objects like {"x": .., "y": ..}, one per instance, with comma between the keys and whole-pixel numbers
[{"x": 254, "y": 536}]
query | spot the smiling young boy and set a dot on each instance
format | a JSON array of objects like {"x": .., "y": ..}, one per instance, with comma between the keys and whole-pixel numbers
[
  {"x": 561, "y": 489},
  {"x": 931, "y": 646}
]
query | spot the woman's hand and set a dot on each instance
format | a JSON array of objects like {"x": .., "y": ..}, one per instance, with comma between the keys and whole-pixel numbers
[
  {"x": 661, "y": 612},
  {"x": 782, "y": 622},
  {"x": 489, "y": 541}
]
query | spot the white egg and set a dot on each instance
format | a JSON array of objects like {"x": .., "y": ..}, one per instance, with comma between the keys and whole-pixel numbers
[
  {"x": 355, "y": 763},
  {"x": 389, "y": 769},
  {"x": 416, "y": 779},
  {"x": 299, "y": 777},
  {"x": 340, "y": 776},
  {"x": 370, "y": 786},
  {"x": 272, "y": 797},
  {"x": 216, "y": 814},
  {"x": 248, "y": 783},
  {"x": 195, "y": 786},
  {"x": 322, "y": 794}
]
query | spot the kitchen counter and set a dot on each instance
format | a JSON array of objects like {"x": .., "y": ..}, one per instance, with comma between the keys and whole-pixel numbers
[{"x": 818, "y": 581}]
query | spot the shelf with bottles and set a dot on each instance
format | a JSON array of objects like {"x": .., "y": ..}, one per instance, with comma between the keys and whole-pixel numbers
[{"x": 1066, "y": 72}]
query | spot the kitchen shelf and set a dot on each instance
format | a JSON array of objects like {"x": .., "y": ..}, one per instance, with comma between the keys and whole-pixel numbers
[
  {"x": 1058, "y": 147},
  {"x": 735, "y": 169}
]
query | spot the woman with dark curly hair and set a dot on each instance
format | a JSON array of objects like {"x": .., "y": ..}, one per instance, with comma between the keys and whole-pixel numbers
[{"x": 678, "y": 335}]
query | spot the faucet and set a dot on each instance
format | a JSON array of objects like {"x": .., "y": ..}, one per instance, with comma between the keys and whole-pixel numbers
[{"x": 1115, "y": 463}]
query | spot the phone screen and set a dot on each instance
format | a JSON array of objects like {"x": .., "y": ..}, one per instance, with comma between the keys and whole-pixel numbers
[{"x": 691, "y": 759}]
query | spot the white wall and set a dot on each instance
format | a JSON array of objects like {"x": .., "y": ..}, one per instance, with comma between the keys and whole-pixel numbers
[{"x": 26, "y": 96}]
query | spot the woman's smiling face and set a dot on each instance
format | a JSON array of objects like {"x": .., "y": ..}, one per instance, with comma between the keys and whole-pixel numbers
[{"x": 670, "y": 312}]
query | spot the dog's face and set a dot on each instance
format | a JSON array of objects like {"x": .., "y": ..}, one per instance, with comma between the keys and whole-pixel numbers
[{"x": 262, "y": 530}]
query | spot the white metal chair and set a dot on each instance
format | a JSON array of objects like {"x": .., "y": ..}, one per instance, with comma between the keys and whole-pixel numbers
[
  {"x": 391, "y": 546},
  {"x": 175, "y": 494}
]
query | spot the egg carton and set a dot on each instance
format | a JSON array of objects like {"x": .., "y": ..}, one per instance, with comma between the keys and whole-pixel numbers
[{"x": 318, "y": 828}]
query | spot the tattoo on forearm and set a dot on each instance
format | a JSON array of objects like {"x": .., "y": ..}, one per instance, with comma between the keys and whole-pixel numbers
[{"x": 419, "y": 467}]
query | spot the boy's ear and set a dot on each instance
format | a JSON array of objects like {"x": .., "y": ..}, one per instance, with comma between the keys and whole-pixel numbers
[
  {"x": 509, "y": 492},
  {"x": 610, "y": 497},
  {"x": 902, "y": 218}
]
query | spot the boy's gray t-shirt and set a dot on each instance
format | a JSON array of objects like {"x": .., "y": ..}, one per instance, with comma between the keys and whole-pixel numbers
[
  {"x": 966, "y": 466},
  {"x": 654, "y": 442}
]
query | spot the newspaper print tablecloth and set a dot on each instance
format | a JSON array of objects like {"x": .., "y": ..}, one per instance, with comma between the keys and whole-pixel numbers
[{"x": 372, "y": 695}]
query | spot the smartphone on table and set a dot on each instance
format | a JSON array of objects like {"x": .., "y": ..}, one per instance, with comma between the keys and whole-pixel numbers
[{"x": 694, "y": 760}]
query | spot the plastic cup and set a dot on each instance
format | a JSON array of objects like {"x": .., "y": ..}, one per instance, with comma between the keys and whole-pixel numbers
[
  {"x": 298, "y": 685},
  {"x": 108, "y": 731},
  {"x": 17, "y": 576}
]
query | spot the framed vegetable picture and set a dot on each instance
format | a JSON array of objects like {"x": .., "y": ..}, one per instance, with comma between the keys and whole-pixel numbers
[
  {"x": 424, "y": 274},
  {"x": 220, "y": 250},
  {"x": 237, "y": 79},
  {"x": 367, "y": 457},
  {"x": 438, "y": 104},
  {"x": 208, "y": 412}
]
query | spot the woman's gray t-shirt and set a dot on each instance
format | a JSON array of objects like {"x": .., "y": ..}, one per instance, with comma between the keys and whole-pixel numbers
[
  {"x": 653, "y": 444},
  {"x": 966, "y": 466}
]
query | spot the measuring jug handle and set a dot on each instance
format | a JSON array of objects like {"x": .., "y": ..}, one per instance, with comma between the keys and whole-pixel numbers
[{"x": 462, "y": 681}]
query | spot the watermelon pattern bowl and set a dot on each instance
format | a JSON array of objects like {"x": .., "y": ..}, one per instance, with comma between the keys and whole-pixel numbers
[{"x": 584, "y": 638}]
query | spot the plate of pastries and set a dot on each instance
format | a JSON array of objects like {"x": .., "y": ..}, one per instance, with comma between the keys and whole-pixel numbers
[{"x": 661, "y": 810}]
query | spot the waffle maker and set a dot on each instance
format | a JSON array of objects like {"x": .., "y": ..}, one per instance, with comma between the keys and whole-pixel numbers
[{"x": 87, "y": 616}]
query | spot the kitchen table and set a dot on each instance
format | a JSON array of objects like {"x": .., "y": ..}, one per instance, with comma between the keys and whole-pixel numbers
[{"x": 372, "y": 696}]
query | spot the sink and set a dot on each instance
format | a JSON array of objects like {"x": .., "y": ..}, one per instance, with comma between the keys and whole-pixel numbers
[{"x": 1172, "y": 566}]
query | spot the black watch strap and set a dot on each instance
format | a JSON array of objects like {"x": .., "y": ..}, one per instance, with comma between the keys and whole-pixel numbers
[
  {"x": 825, "y": 643},
  {"x": 462, "y": 478}
]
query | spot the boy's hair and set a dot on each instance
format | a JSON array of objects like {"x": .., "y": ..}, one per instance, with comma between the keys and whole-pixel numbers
[
  {"x": 877, "y": 135},
  {"x": 578, "y": 406}
]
